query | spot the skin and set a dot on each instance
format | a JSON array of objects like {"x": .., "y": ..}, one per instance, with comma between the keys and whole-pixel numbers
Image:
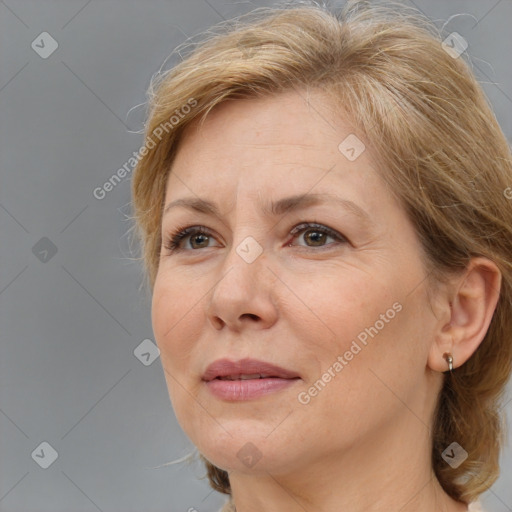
[{"x": 363, "y": 442}]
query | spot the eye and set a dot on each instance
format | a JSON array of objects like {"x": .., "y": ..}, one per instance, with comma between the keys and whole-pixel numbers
[
  {"x": 200, "y": 236},
  {"x": 317, "y": 234},
  {"x": 197, "y": 234}
]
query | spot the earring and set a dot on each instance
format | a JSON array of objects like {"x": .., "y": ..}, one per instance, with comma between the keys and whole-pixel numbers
[{"x": 449, "y": 360}]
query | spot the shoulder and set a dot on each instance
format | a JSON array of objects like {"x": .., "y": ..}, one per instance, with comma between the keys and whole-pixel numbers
[
  {"x": 230, "y": 507},
  {"x": 474, "y": 506}
]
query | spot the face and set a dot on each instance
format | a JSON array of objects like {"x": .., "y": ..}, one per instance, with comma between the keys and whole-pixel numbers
[{"x": 334, "y": 291}]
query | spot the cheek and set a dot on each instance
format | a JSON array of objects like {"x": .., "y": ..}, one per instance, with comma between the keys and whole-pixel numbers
[
  {"x": 173, "y": 323},
  {"x": 380, "y": 341},
  {"x": 334, "y": 307},
  {"x": 354, "y": 324},
  {"x": 173, "y": 314}
]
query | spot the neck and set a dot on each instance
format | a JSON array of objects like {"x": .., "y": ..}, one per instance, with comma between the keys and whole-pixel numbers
[{"x": 377, "y": 476}]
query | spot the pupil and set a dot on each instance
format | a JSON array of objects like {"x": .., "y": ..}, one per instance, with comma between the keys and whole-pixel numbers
[
  {"x": 318, "y": 237},
  {"x": 200, "y": 236}
]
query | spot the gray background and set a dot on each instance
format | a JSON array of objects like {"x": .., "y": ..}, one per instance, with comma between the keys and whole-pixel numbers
[{"x": 70, "y": 321}]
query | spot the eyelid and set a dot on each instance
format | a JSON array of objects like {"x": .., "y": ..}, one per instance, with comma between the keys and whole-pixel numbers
[
  {"x": 305, "y": 225},
  {"x": 173, "y": 240}
]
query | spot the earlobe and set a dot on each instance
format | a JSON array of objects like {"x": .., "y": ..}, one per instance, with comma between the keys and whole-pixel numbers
[{"x": 471, "y": 307}]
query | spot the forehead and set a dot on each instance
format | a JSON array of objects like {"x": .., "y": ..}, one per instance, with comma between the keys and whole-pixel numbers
[{"x": 274, "y": 139}]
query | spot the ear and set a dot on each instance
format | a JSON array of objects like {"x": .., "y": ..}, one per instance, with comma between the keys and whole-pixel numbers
[{"x": 467, "y": 309}]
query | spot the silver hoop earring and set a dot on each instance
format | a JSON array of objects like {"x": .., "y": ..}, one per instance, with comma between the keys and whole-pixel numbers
[{"x": 449, "y": 360}]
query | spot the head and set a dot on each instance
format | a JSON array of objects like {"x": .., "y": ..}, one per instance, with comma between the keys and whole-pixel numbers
[{"x": 366, "y": 107}]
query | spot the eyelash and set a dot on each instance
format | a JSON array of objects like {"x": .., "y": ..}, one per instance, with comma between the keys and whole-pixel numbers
[{"x": 174, "y": 240}]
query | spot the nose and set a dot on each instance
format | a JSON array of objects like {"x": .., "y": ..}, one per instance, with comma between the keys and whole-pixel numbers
[{"x": 243, "y": 295}]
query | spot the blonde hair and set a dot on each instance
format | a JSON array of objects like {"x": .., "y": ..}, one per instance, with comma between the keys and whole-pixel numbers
[{"x": 440, "y": 149}]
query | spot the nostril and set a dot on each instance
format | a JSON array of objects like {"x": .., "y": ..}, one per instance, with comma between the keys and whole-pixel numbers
[{"x": 250, "y": 315}]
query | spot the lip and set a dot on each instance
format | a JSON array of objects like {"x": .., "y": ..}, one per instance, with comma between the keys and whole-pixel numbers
[
  {"x": 226, "y": 367},
  {"x": 238, "y": 390}
]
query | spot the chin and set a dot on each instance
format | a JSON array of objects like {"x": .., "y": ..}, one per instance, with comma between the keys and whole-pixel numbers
[{"x": 246, "y": 451}]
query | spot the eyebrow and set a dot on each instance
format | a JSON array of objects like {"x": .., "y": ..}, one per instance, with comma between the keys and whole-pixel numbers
[{"x": 276, "y": 208}]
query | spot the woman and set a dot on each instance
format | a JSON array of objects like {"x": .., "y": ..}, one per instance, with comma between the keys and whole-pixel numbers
[{"x": 322, "y": 202}]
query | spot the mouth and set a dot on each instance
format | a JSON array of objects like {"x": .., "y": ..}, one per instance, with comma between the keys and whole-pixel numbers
[
  {"x": 246, "y": 379},
  {"x": 246, "y": 369}
]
